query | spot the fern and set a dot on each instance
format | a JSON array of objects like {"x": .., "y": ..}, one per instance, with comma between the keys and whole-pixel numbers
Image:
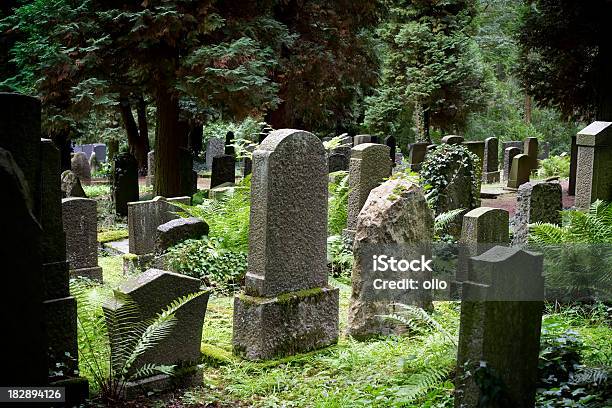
[
  {"x": 338, "y": 202},
  {"x": 443, "y": 220}
]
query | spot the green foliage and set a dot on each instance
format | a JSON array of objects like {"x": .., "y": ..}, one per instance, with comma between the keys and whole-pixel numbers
[
  {"x": 337, "y": 212},
  {"x": 112, "y": 235},
  {"x": 131, "y": 337},
  {"x": 445, "y": 219},
  {"x": 97, "y": 190},
  {"x": 554, "y": 166},
  {"x": 209, "y": 260},
  {"x": 339, "y": 259}
]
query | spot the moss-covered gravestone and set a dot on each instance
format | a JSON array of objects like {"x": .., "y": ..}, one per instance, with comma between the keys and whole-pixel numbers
[
  {"x": 499, "y": 335},
  {"x": 80, "y": 218},
  {"x": 536, "y": 202},
  {"x": 287, "y": 306}
]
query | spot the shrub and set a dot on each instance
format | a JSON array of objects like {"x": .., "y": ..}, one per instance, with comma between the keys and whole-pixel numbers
[
  {"x": 338, "y": 203},
  {"x": 339, "y": 259},
  {"x": 209, "y": 260},
  {"x": 555, "y": 166}
]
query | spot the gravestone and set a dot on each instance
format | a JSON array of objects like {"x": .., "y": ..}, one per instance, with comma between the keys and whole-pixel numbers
[
  {"x": 124, "y": 187},
  {"x": 71, "y": 185},
  {"x": 452, "y": 139},
  {"x": 513, "y": 143},
  {"x": 369, "y": 166},
  {"x": 247, "y": 166},
  {"x": 499, "y": 334},
  {"x": 490, "y": 172},
  {"x": 80, "y": 220},
  {"x": 509, "y": 154},
  {"x": 594, "y": 164},
  {"x": 223, "y": 170},
  {"x": 530, "y": 148},
  {"x": 80, "y": 167},
  {"x": 536, "y": 202},
  {"x": 395, "y": 221},
  {"x": 221, "y": 191},
  {"x": 179, "y": 230},
  {"x": 151, "y": 168},
  {"x": 229, "y": 139},
  {"x": 346, "y": 140},
  {"x": 287, "y": 307},
  {"x": 100, "y": 150},
  {"x": 360, "y": 139},
  {"x": 338, "y": 162},
  {"x": 483, "y": 228},
  {"x": 520, "y": 171},
  {"x": 416, "y": 155},
  {"x": 214, "y": 147},
  {"x": 94, "y": 163},
  {"x": 152, "y": 292},
  {"x": 187, "y": 176},
  {"x": 392, "y": 144},
  {"x": 145, "y": 216},
  {"x": 478, "y": 148},
  {"x": 571, "y": 188}
]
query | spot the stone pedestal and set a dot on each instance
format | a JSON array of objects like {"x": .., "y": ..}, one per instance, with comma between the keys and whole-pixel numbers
[{"x": 594, "y": 164}]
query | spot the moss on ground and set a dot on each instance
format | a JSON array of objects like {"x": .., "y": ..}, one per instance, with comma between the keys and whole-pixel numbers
[{"x": 112, "y": 235}]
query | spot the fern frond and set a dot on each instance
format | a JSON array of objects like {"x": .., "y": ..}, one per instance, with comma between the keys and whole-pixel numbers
[
  {"x": 444, "y": 219},
  {"x": 420, "y": 383}
]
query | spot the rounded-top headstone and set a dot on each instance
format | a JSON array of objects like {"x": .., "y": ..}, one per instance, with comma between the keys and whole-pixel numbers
[
  {"x": 80, "y": 167},
  {"x": 288, "y": 233},
  {"x": 452, "y": 139}
]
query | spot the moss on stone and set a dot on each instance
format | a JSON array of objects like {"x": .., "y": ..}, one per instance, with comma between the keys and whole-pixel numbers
[
  {"x": 292, "y": 297},
  {"x": 215, "y": 356},
  {"x": 130, "y": 257},
  {"x": 113, "y": 235}
]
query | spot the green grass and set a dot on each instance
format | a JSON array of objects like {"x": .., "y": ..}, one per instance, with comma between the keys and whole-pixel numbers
[
  {"x": 97, "y": 190},
  {"x": 112, "y": 235}
]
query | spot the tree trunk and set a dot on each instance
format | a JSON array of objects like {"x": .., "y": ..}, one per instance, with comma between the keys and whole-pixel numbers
[
  {"x": 196, "y": 134},
  {"x": 135, "y": 143},
  {"x": 527, "y": 109},
  {"x": 113, "y": 149},
  {"x": 167, "y": 144},
  {"x": 604, "y": 90},
  {"x": 143, "y": 126},
  {"x": 426, "y": 125}
]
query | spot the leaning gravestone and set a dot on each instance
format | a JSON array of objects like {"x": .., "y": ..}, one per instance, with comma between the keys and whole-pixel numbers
[
  {"x": 71, "y": 185},
  {"x": 417, "y": 152},
  {"x": 287, "y": 306},
  {"x": 395, "y": 221},
  {"x": 338, "y": 162},
  {"x": 124, "y": 188},
  {"x": 478, "y": 148},
  {"x": 536, "y": 202},
  {"x": 179, "y": 230},
  {"x": 152, "y": 292},
  {"x": 452, "y": 139},
  {"x": 499, "y": 334},
  {"x": 392, "y": 143},
  {"x": 368, "y": 168},
  {"x": 80, "y": 167},
  {"x": 490, "y": 171},
  {"x": 214, "y": 147},
  {"x": 509, "y": 154},
  {"x": 520, "y": 171},
  {"x": 151, "y": 168},
  {"x": 81, "y": 227},
  {"x": 594, "y": 164},
  {"x": 223, "y": 170}
]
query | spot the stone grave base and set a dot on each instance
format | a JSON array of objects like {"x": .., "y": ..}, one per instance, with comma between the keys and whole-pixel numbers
[
  {"x": 222, "y": 190},
  {"x": 93, "y": 273},
  {"x": 188, "y": 377},
  {"x": 491, "y": 177},
  {"x": 291, "y": 323},
  {"x": 135, "y": 264}
]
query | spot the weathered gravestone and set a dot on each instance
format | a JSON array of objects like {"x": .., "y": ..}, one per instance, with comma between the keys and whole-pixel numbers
[
  {"x": 22, "y": 310},
  {"x": 338, "y": 162},
  {"x": 478, "y": 148},
  {"x": 490, "y": 171},
  {"x": 530, "y": 148},
  {"x": 416, "y": 155},
  {"x": 360, "y": 139},
  {"x": 179, "y": 230},
  {"x": 152, "y": 292},
  {"x": 571, "y": 188},
  {"x": 100, "y": 150},
  {"x": 452, "y": 139},
  {"x": 594, "y": 164},
  {"x": 71, "y": 185},
  {"x": 483, "y": 228},
  {"x": 187, "y": 176},
  {"x": 94, "y": 163},
  {"x": 287, "y": 307},
  {"x": 214, "y": 147},
  {"x": 520, "y": 171},
  {"x": 151, "y": 168},
  {"x": 509, "y": 154},
  {"x": 368, "y": 168},
  {"x": 81, "y": 228},
  {"x": 395, "y": 221},
  {"x": 124, "y": 187},
  {"x": 80, "y": 167},
  {"x": 223, "y": 170},
  {"x": 499, "y": 334},
  {"x": 513, "y": 143},
  {"x": 536, "y": 202},
  {"x": 391, "y": 142}
]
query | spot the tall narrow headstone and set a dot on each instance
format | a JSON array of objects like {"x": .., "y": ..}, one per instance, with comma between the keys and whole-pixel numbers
[
  {"x": 490, "y": 172},
  {"x": 520, "y": 171},
  {"x": 594, "y": 169},
  {"x": 151, "y": 168},
  {"x": 478, "y": 148},
  {"x": 229, "y": 139},
  {"x": 452, "y": 139},
  {"x": 287, "y": 307},
  {"x": 124, "y": 188},
  {"x": 499, "y": 334},
  {"x": 395, "y": 221},
  {"x": 214, "y": 147},
  {"x": 81, "y": 228},
  {"x": 571, "y": 188},
  {"x": 509, "y": 154},
  {"x": 530, "y": 148},
  {"x": 536, "y": 202},
  {"x": 416, "y": 155},
  {"x": 391, "y": 142},
  {"x": 188, "y": 177},
  {"x": 368, "y": 168},
  {"x": 223, "y": 170}
]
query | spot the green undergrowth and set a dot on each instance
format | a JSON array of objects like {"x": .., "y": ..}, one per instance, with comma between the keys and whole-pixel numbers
[{"x": 112, "y": 235}]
